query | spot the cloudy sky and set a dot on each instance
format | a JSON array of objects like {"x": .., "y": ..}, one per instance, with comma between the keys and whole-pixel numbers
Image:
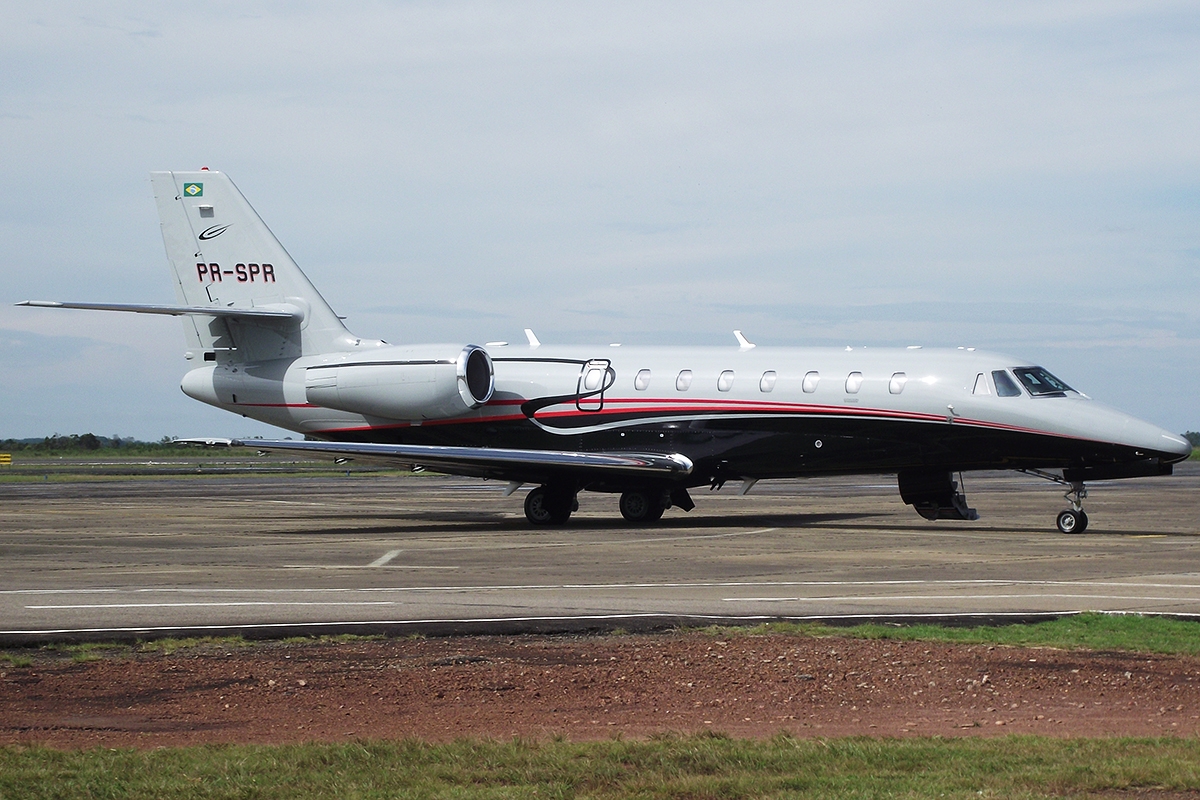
[{"x": 1021, "y": 177}]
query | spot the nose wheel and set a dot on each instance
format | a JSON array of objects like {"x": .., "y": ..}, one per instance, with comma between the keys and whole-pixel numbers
[{"x": 1072, "y": 521}]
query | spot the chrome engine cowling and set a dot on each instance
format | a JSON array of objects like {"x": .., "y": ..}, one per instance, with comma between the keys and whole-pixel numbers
[{"x": 410, "y": 383}]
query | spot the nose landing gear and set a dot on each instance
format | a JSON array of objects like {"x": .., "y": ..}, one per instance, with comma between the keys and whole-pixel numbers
[{"x": 1074, "y": 519}]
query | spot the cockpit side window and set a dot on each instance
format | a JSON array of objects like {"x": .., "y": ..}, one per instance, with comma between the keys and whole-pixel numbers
[
  {"x": 981, "y": 385},
  {"x": 1005, "y": 386},
  {"x": 1040, "y": 383}
]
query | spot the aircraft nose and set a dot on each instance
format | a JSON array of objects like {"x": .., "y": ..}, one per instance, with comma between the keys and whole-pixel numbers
[
  {"x": 1154, "y": 441},
  {"x": 1179, "y": 447}
]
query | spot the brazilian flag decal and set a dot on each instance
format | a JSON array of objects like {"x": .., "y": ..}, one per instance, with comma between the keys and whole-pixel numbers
[{"x": 193, "y": 189}]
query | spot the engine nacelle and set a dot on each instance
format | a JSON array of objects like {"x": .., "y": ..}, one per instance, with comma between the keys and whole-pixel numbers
[{"x": 406, "y": 383}]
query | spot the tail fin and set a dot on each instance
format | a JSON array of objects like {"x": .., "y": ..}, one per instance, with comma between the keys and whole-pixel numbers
[{"x": 223, "y": 255}]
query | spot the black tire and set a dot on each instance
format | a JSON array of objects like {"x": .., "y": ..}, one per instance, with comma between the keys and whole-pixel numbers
[
  {"x": 1071, "y": 521},
  {"x": 544, "y": 507},
  {"x": 641, "y": 507}
]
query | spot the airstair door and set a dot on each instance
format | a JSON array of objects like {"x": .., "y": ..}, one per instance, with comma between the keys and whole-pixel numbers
[{"x": 596, "y": 377}]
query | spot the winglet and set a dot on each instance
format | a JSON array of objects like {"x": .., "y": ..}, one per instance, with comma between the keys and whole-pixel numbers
[
  {"x": 743, "y": 342},
  {"x": 533, "y": 340}
]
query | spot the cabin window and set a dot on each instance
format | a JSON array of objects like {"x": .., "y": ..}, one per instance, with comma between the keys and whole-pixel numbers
[
  {"x": 591, "y": 380},
  {"x": 725, "y": 381},
  {"x": 811, "y": 379},
  {"x": 641, "y": 381},
  {"x": 896, "y": 384},
  {"x": 981, "y": 385},
  {"x": 853, "y": 382},
  {"x": 684, "y": 381},
  {"x": 1005, "y": 386},
  {"x": 1040, "y": 383},
  {"x": 767, "y": 382}
]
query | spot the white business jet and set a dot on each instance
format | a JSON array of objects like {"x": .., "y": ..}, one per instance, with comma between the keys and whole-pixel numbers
[{"x": 647, "y": 423}]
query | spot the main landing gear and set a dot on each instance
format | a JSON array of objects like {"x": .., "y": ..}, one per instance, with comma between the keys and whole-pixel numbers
[
  {"x": 550, "y": 505},
  {"x": 553, "y": 504},
  {"x": 641, "y": 506},
  {"x": 644, "y": 506},
  {"x": 1074, "y": 519}
]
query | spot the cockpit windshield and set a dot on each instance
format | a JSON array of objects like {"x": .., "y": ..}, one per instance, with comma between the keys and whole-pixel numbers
[{"x": 1040, "y": 383}]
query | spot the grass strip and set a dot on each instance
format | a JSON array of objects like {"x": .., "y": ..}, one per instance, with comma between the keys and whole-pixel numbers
[
  {"x": 1090, "y": 631},
  {"x": 703, "y": 766},
  {"x": 1129, "y": 633}
]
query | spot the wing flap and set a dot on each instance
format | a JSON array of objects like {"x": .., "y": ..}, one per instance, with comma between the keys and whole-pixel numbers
[{"x": 487, "y": 462}]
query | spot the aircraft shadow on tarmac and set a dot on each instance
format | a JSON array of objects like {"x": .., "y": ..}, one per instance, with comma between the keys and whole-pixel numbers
[{"x": 474, "y": 522}]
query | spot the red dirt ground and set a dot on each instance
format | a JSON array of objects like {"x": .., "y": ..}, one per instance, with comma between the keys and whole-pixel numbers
[{"x": 591, "y": 688}]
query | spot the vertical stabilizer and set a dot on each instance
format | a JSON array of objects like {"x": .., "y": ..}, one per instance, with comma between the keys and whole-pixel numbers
[{"x": 222, "y": 254}]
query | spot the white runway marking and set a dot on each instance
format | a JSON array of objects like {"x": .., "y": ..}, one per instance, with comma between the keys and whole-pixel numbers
[
  {"x": 600, "y": 586},
  {"x": 902, "y": 597},
  {"x": 417, "y": 623},
  {"x": 385, "y": 558},
  {"x": 524, "y": 546},
  {"x": 214, "y": 605}
]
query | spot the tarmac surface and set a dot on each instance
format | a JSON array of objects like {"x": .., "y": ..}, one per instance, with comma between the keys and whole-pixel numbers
[{"x": 280, "y": 555}]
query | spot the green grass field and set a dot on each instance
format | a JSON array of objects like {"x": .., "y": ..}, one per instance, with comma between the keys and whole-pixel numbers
[
  {"x": 1090, "y": 631},
  {"x": 705, "y": 766},
  {"x": 702, "y": 766}
]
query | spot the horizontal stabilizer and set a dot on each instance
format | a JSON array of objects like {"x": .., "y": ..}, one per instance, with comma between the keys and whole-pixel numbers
[
  {"x": 281, "y": 312},
  {"x": 488, "y": 462}
]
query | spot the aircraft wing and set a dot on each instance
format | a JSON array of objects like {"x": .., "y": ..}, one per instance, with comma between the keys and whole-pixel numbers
[
  {"x": 280, "y": 312},
  {"x": 530, "y": 466}
]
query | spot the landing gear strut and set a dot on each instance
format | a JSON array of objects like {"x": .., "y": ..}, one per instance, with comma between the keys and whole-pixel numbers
[
  {"x": 550, "y": 505},
  {"x": 1074, "y": 519}
]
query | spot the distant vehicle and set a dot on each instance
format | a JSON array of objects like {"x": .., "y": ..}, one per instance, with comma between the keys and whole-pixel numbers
[{"x": 647, "y": 423}]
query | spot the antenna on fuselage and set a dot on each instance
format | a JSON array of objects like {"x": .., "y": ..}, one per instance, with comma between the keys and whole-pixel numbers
[{"x": 743, "y": 342}]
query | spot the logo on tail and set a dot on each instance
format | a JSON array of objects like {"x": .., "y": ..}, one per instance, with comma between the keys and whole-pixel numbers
[{"x": 213, "y": 232}]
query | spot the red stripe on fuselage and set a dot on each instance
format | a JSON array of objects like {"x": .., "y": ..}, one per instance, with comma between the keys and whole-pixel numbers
[{"x": 721, "y": 408}]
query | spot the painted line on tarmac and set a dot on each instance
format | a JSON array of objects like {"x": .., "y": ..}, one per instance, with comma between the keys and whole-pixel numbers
[
  {"x": 594, "y": 586},
  {"x": 533, "y": 624},
  {"x": 816, "y": 599},
  {"x": 229, "y": 604},
  {"x": 970, "y": 597},
  {"x": 385, "y": 558},
  {"x": 343, "y": 567}
]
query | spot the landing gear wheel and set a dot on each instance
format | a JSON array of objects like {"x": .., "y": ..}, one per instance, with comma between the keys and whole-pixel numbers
[
  {"x": 546, "y": 507},
  {"x": 1071, "y": 521},
  {"x": 641, "y": 507}
]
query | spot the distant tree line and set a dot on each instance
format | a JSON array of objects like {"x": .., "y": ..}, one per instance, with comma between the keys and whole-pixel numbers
[
  {"x": 1193, "y": 437},
  {"x": 84, "y": 443}
]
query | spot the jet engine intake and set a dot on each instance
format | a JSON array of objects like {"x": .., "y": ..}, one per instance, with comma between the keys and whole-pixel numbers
[{"x": 406, "y": 383}]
